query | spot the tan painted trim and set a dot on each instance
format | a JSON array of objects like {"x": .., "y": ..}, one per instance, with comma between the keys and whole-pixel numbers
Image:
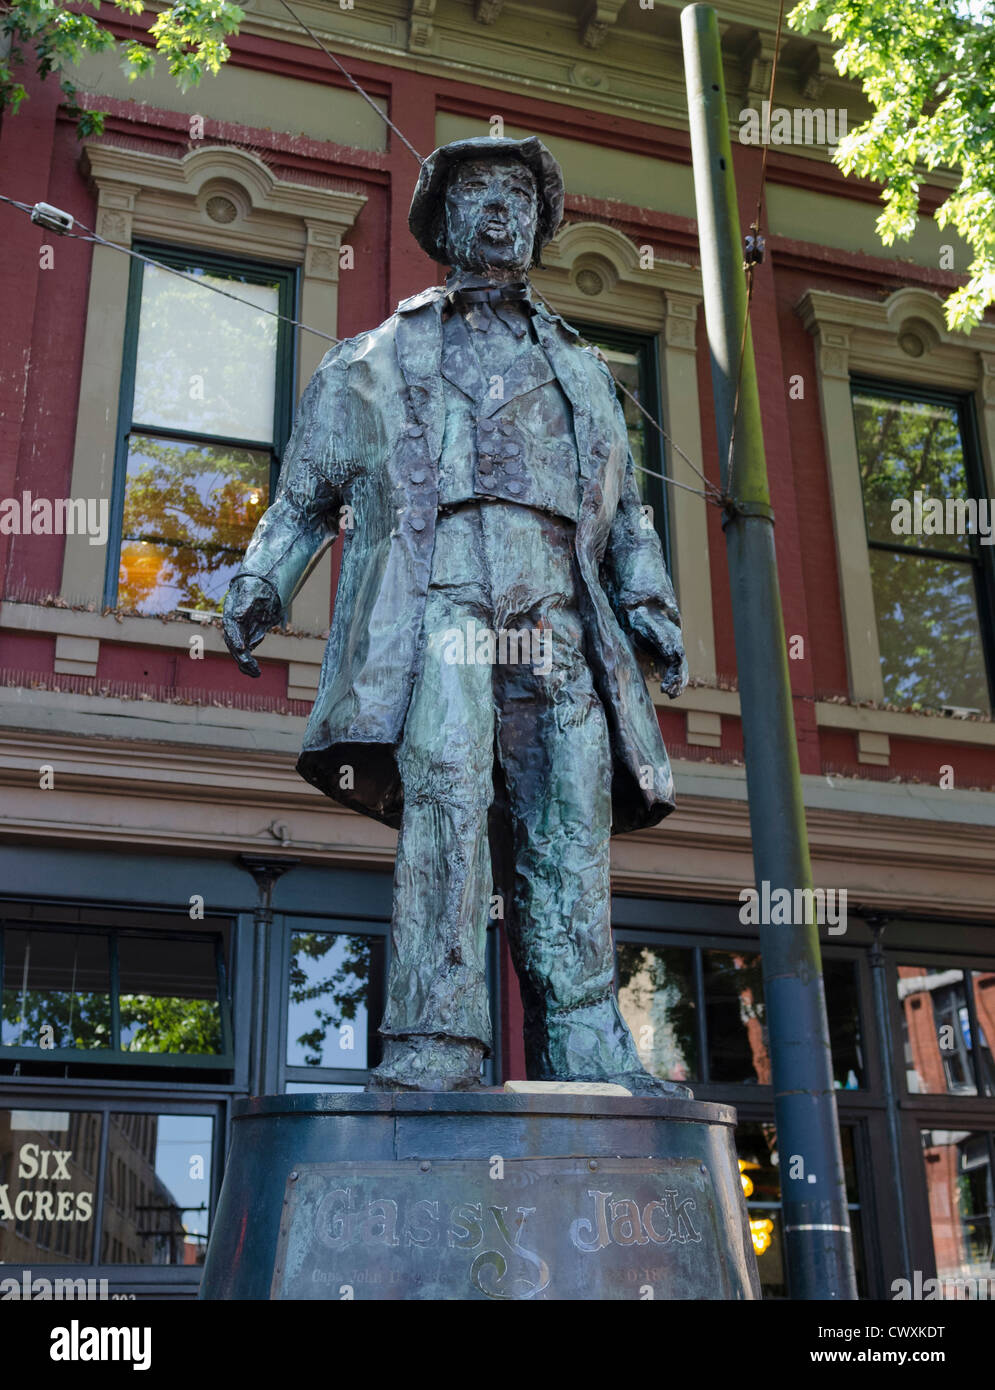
[
  {"x": 147, "y": 632},
  {"x": 661, "y": 300},
  {"x": 921, "y": 727},
  {"x": 141, "y": 194},
  {"x": 225, "y": 797},
  {"x": 903, "y": 338}
]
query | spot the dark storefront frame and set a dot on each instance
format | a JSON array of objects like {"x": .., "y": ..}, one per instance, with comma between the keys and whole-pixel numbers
[{"x": 363, "y": 904}]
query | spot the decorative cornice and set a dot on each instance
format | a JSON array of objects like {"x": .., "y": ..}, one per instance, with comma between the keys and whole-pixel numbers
[
  {"x": 200, "y": 172},
  {"x": 591, "y": 268},
  {"x": 907, "y": 331},
  {"x": 217, "y": 800},
  {"x": 596, "y": 20}
]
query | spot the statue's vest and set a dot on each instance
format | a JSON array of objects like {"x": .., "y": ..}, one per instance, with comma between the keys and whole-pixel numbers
[{"x": 510, "y": 438}]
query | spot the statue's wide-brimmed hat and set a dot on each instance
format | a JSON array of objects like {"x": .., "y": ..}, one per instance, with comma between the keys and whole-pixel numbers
[{"x": 427, "y": 216}]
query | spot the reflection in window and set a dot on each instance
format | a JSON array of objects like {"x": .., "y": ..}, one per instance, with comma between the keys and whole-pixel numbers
[
  {"x": 656, "y": 998},
  {"x": 936, "y": 1030},
  {"x": 204, "y": 428},
  {"x": 56, "y": 990},
  {"x": 47, "y": 1186},
  {"x": 168, "y": 995},
  {"x": 333, "y": 979},
  {"x": 189, "y": 512},
  {"x": 983, "y": 984},
  {"x": 840, "y": 977},
  {"x": 111, "y": 992},
  {"x": 925, "y": 585},
  {"x": 157, "y": 1195},
  {"x": 961, "y": 1205},
  {"x": 735, "y": 1018},
  {"x": 204, "y": 363},
  {"x": 759, "y": 1166}
]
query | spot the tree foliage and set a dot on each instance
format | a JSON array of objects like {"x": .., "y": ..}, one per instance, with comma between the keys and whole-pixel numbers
[
  {"x": 928, "y": 69},
  {"x": 189, "y": 34}
]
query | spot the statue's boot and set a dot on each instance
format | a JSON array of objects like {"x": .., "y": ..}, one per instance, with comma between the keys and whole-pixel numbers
[
  {"x": 591, "y": 1042},
  {"x": 428, "y": 1064}
]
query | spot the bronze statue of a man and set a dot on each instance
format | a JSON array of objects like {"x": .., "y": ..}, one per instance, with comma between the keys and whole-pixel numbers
[{"x": 480, "y": 681}]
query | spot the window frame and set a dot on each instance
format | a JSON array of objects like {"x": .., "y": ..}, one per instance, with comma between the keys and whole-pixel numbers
[
  {"x": 982, "y": 560},
  {"x": 256, "y": 271},
  {"x": 339, "y": 1078},
  {"x": 223, "y": 1061},
  {"x": 646, "y": 347},
  {"x": 106, "y": 1102}
]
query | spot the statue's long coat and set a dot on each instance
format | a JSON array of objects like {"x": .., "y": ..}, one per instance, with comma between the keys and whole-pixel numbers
[{"x": 368, "y": 436}]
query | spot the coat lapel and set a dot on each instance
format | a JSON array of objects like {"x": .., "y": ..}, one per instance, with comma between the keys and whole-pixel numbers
[
  {"x": 418, "y": 341},
  {"x": 563, "y": 359}
]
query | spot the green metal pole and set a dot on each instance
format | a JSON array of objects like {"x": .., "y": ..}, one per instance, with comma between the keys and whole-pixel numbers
[{"x": 813, "y": 1196}]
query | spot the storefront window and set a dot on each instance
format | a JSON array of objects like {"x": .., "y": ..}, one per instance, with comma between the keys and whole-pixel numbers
[
  {"x": 958, "y": 1167},
  {"x": 656, "y": 995},
  {"x": 938, "y": 1033},
  {"x": 56, "y": 990},
  {"x": 662, "y": 990},
  {"x": 109, "y": 996},
  {"x": 331, "y": 1014},
  {"x": 48, "y": 1181},
  {"x": 759, "y": 1166},
  {"x": 157, "y": 1194},
  {"x": 734, "y": 1013},
  {"x": 168, "y": 996}
]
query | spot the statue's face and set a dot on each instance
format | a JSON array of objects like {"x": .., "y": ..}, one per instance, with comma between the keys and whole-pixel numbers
[{"x": 491, "y": 210}]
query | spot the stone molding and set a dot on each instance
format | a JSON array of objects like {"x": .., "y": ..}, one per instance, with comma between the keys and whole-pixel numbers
[{"x": 223, "y": 799}]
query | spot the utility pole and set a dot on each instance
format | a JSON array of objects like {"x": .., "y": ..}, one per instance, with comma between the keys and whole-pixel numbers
[{"x": 813, "y": 1196}]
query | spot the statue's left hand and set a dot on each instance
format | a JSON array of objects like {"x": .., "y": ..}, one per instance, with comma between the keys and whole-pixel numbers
[
  {"x": 252, "y": 607},
  {"x": 664, "y": 640}
]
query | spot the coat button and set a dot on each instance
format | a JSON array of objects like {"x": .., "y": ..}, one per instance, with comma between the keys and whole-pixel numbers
[
  {"x": 419, "y": 476},
  {"x": 514, "y": 486},
  {"x": 415, "y": 431},
  {"x": 417, "y": 523}
]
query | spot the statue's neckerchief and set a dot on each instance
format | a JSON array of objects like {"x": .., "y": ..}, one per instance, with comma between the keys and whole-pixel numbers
[{"x": 480, "y": 301}]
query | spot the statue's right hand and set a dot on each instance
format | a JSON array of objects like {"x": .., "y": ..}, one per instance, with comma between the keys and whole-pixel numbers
[{"x": 252, "y": 607}]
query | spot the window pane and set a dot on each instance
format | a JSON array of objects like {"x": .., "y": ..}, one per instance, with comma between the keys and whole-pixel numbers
[
  {"x": 335, "y": 999},
  {"x": 169, "y": 995},
  {"x": 48, "y": 1173},
  {"x": 929, "y": 631},
  {"x": 984, "y": 1007},
  {"x": 906, "y": 447},
  {"x": 205, "y": 363},
  {"x": 657, "y": 1000},
  {"x": 157, "y": 1193},
  {"x": 56, "y": 990},
  {"x": 840, "y": 978},
  {"x": 961, "y": 1201},
  {"x": 735, "y": 1019},
  {"x": 189, "y": 512},
  {"x": 936, "y": 1030},
  {"x": 760, "y": 1174}
]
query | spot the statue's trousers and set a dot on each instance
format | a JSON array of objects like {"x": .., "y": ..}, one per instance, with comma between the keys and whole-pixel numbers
[{"x": 504, "y": 679}]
